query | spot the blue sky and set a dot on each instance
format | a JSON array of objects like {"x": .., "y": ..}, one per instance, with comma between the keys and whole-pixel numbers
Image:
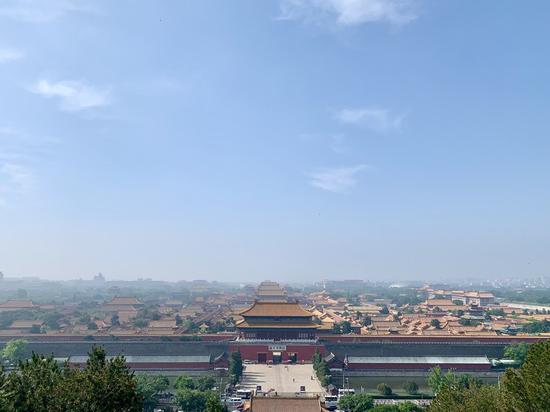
[{"x": 285, "y": 139}]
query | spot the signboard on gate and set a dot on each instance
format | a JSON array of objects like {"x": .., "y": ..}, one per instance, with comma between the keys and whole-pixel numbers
[{"x": 276, "y": 347}]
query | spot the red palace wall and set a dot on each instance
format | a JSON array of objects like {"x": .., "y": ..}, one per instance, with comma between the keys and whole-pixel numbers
[
  {"x": 416, "y": 366},
  {"x": 483, "y": 340},
  {"x": 250, "y": 351}
]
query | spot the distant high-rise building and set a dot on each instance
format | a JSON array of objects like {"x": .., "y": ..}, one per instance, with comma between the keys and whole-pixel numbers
[{"x": 99, "y": 277}]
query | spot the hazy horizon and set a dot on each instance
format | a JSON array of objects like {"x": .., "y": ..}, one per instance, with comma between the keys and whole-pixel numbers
[{"x": 292, "y": 140}]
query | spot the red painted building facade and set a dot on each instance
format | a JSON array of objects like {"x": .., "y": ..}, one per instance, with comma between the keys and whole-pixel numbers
[{"x": 277, "y": 352}]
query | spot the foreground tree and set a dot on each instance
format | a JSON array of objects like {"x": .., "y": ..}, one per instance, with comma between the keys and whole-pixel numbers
[
  {"x": 456, "y": 399},
  {"x": 14, "y": 351},
  {"x": 517, "y": 352},
  {"x": 528, "y": 389},
  {"x": 103, "y": 386},
  {"x": 193, "y": 400},
  {"x": 360, "y": 402},
  {"x": 40, "y": 385},
  {"x": 401, "y": 407},
  {"x": 36, "y": 387},
  {"x": 438, "y": 381},
  {"x": 184, "y": 382},
  {"x": 150, "y": 387}
]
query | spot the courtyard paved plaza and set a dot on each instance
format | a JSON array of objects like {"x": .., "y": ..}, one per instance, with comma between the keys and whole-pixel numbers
[{"x": 281, "y": 378}]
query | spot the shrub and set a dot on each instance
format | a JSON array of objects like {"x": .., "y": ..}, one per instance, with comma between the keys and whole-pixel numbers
[
  {"x": 384, "y": 389},
  {"x": 410, "y": 387}
]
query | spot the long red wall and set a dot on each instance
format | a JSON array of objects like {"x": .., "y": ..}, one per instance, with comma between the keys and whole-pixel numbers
[
  {"x": 417, "y": 366},
  {"x": 497, "y": 340}
]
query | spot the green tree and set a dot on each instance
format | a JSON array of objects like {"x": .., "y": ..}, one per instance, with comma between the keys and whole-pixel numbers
[
  {"x": 409, "y": 407},
  {"x": 115, "y": 320},
  {"x": 437, "y": 380},
  {"x": 213, "y": 403},
  {"x": 321, "y": 369},
  {"x": 456, "y": 399},
  {"x": 346, "y": 327},
  {"x": 410, "y": 387},
  {"x": 385, "y": 408},
  {"x": 360, "y": 402},
  {"x": 191, "y": 400},
  {"x": 150, "y": 387},
  {"x": 541, "y": 326},
  {"x": 401, "y": 407},
  {"x": 36, "y": 386},
  {"x": 140, "y": 323},
  {"x": 104, "y": 385},
  {"x": 3, "y": 390},
  {"x": 35, "y": 329},
  {"x": 527, "y": 389},
  {"x": 235, "y": 366},
  {"x": 51, "y": 320},
  {"x": 435, "y": 323},
  {"x": 184, "y": 382},
  {"x": 15, "y": 350},
  {"x": 384, "y": 389},
  {"x": 517, "y": 352},
  {"x": 205, "y": 383}
]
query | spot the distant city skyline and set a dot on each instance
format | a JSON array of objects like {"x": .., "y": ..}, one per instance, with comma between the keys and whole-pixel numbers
[{"x": 290, "y": 140}]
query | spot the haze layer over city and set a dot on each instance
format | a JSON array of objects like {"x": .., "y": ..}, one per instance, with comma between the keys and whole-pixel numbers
[{"x": 287, "y": 139}]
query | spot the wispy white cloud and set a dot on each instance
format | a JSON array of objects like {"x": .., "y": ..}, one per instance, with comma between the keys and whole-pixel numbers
[
  {"x": 379, "y": 120},
  {"x": 10, "y": 55},
  {"x": 41, "y": 11},
  {"x": 73, "y": 95},
  {"x": 336, "y": 180},
  {"x": 15, "y": 180},
  {"x": 350, "y": 12}
]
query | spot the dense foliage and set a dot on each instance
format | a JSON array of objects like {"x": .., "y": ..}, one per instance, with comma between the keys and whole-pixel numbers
[
  {"x": 537, "y": 326},
  {"x": 539, "y": 296},
  {"x": 384, "y": 389},
  {"x": 439, "y": 381},
  {"x": 321, "y": 369},
  {"x": 40, "y": 384},
  {"x": 410, "y": 387},
  {"x": 401, "y": 407},
  {"x": 235, "y": 367},
  {"x": 356, "y": 403},
  {"x": 526, "y": 389},
  {"x": 517, "y": 352},
  {"x": 14, "y": 351},
  {"x": 194, "y": 400},
  {"x": 150, "y": 387}
]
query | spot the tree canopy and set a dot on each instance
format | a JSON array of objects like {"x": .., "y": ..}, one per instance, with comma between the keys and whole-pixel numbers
[
  {"x": 14, "y": 351},
  {"x": 150, "y": 387},
  {"x": 40, "y": 384},
  {"x": 526, "y": 389},
  {"x": 360, "y": 402},
  {"x": 517, "y": 352}
]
